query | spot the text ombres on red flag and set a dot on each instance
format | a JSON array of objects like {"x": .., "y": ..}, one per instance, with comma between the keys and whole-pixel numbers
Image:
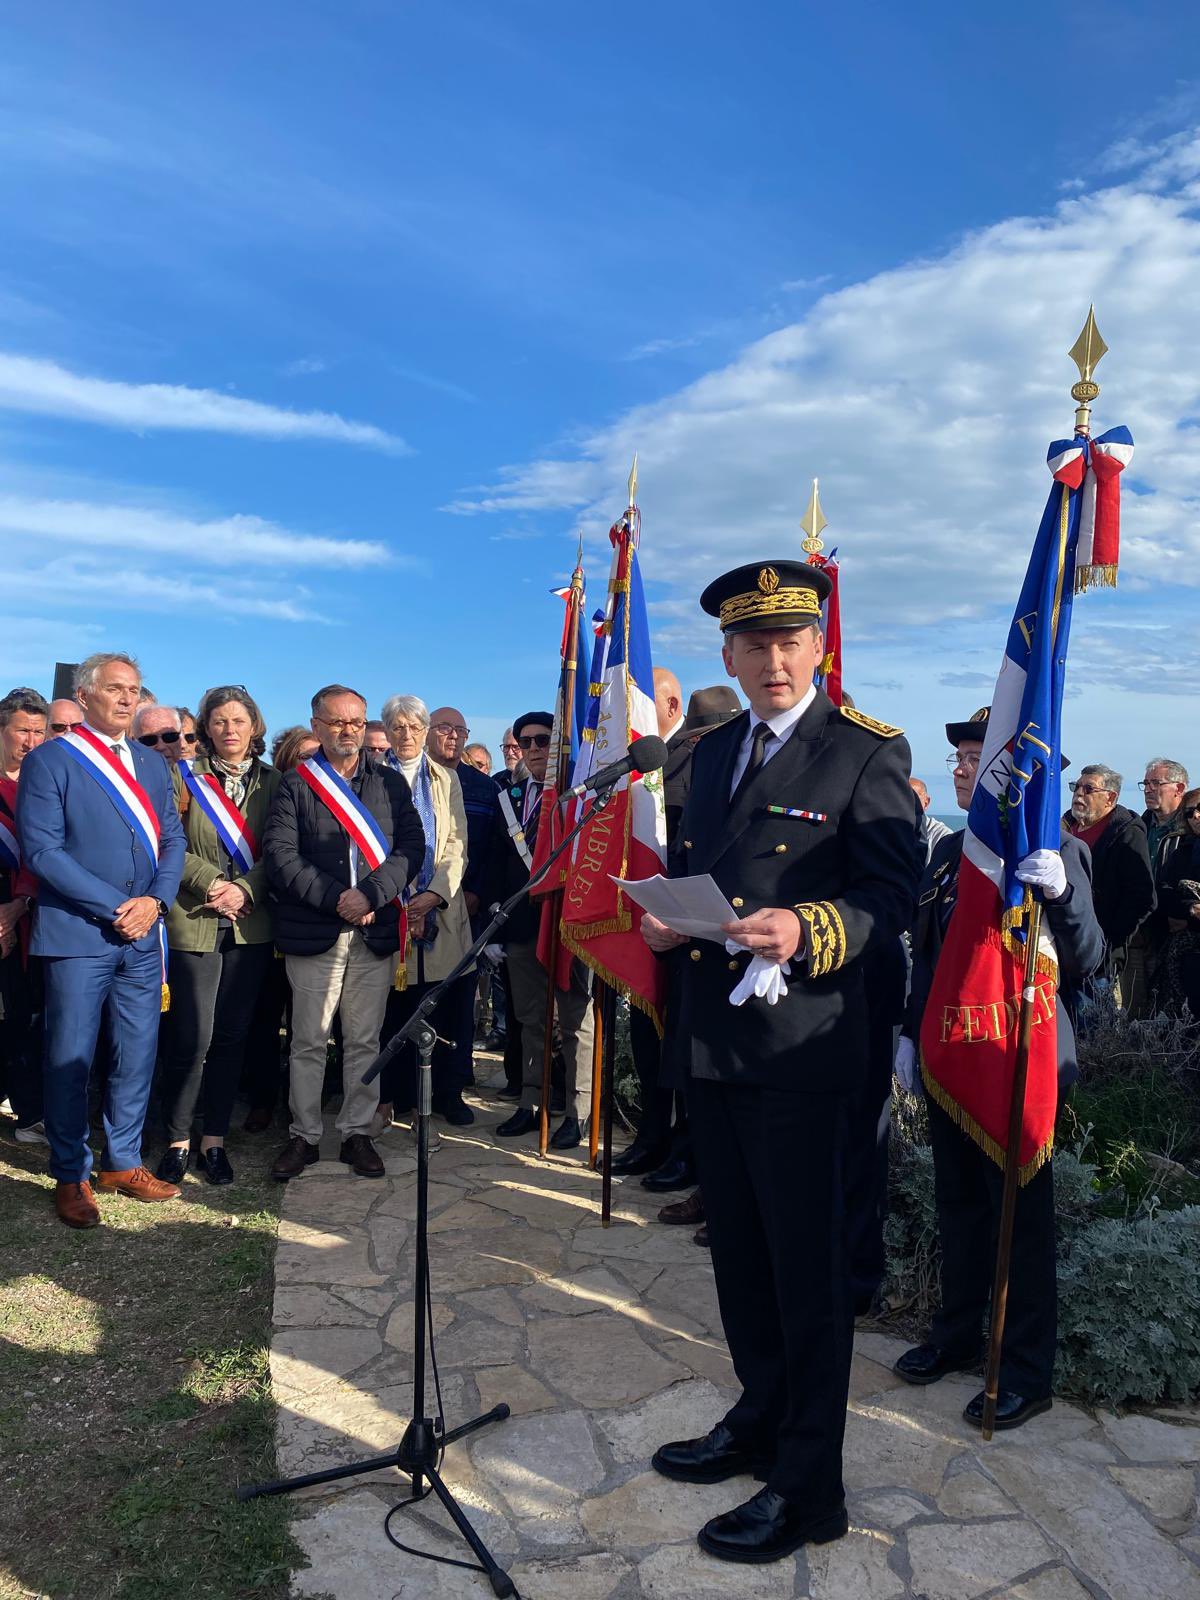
[
  {"x": 969, "y": 1031},
  {"x": 629, "y": 837}
]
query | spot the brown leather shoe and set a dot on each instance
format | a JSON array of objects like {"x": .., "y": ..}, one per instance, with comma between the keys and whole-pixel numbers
[
  {"x": 138, "y": 1184},
  {"x": 76, "y": 1205},
  {"x": 361, "y": 1156},
  {"x": 684, "y": 1213},
  {"x": 291, "y": 1161},
  {"x": 700, "y": 1237}
]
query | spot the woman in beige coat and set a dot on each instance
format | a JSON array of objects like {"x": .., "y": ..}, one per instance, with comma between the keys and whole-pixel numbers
[{"x": 439, "y": 928}]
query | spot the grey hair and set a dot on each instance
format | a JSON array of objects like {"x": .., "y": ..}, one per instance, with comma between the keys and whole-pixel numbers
[
  {"x": 142, "y": 712},
  {"x": 407, "y": 706},
  {"x": 1110, "y": 779},
  {"x": 85, "y": 672},
  {"x": 1176, "y": 772}
]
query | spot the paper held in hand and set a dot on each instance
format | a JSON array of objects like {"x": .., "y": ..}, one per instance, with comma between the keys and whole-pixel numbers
[{"x": 692, "y": 906}]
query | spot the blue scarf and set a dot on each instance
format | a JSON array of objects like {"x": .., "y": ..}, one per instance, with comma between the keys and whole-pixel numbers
[{"x": 422, "y": 793}]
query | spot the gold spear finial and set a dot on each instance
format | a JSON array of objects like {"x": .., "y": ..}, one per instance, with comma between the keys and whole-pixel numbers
[
  {"x": 1086, "y": 353},
  {"x": 812, "y": 522},
  {"x": 633, "y": 482}
]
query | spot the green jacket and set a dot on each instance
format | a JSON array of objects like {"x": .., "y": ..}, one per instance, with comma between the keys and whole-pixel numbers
[{"x": 189, "y": 926}]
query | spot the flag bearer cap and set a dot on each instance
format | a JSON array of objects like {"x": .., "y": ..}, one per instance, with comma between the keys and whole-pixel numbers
[
  {"x": 767, "y": 594},
  {"x": 974, "y": 729},
  {"x": 544, "y": 719}
]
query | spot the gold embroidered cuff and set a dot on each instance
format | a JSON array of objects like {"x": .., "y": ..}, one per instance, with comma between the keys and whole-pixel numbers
[{"x": 824, "y": 936}]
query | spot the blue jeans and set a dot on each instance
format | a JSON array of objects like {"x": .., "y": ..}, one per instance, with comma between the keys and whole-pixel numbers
[{"x": 125, "y": 984}]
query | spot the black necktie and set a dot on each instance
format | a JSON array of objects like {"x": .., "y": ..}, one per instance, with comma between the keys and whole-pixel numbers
[{"x": 758, "y": 746}]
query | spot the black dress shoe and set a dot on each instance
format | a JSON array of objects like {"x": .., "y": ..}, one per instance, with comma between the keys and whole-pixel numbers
[
  {"x": 767, "y": 1528},
  {"x": 508, "y": 1094},
  {"x": 639, "y": 1158},
  {"x": 214, "y": 1164},
  {"x": 675, "y": 1174},
  {"x": 719, "y": 1455},
  {"x": 455, "y": 1110},
  {"x": 567, "y": 1135},
  {"x": 926, "y": 1363},
  {"x": 1011, "y": 1409},
  {"x": 522, "y": 1121},
  {"x": 173, "y": 1165}
]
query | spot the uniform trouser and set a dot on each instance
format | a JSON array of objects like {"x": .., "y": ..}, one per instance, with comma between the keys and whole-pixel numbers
[
  {"x": 771, "y": 1165},
  {"x": 867, "y": 1162},
  {"x": 213, "y": 999},
  {"x": 654, "y": 1122},
  {"x": 125, "y": 984},
  {"x": 572, "y": 1007},
  {"x": 349, "y": 979},
  {"x": 968, "y": 1186}
]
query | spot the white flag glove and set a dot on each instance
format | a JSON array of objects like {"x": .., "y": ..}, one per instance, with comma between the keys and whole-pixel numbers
[
  {"x": 494, "y": 953},
  {"x": 1044, "y": 870},
  {"x": 906, "y": 1066},
  {"x": 762, "y": 978}
]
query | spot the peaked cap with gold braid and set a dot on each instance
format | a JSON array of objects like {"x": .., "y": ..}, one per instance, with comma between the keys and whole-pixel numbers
[{"x": 767, "y": 594}]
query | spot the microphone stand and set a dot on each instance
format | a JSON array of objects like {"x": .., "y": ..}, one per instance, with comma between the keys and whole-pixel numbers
[{"x": 420, "y": 1450}]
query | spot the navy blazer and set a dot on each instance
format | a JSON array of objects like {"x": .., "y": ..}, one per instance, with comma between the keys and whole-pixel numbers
[{"x": 85, "y": 856}]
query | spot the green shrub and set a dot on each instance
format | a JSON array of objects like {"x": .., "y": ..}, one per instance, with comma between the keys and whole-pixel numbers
[{"x": 1129, "y": 1309}]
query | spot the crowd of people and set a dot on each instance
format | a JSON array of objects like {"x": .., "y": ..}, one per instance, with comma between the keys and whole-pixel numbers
[{"x": 175, "y": 907}]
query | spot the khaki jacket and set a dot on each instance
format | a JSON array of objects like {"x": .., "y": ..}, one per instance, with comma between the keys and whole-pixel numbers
[
  {"x": 189, "y": 926},
  {"x": 449, "y": 864}
]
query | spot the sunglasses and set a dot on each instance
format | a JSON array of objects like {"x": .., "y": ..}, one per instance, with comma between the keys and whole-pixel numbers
[
  {"x": 534, "y": 741},
  {"x": 1192, "y": 811},
  {"x": 170, "y": 736},
  {"x": 63, "y": 727}
]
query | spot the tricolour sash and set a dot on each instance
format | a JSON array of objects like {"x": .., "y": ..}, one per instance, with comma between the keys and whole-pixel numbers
[
  {"x": 336, "y": 794},
  {"x": 515, "y": 831},
  {"x": 232, "y": 828},
  {"x": 131, "y": 801}
]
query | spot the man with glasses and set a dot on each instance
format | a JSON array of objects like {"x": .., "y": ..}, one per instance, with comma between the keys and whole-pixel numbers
[
  {"x": 159, "y": 728},
  {"x": 1122, "y": 877},
  {"x": 342, "y": 843},
  {"x": 1163, "y": 788},
  {"x": 64, "y": 715},
  {"x": 510, "y": 751},
  {"x": 514, "y": 839},
  {"x": 968, "y": 1184}
]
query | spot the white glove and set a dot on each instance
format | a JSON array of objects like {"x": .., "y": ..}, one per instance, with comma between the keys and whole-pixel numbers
[
  {"x": 762, "y": 978},
  {"x": 494, "y": 953},
  {"x": 1044, "y": 870},
  {"x": 906, "y": 1066}
]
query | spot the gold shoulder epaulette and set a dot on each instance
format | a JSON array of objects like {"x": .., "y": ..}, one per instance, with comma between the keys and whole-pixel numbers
[{"x": 883, "y": 729}]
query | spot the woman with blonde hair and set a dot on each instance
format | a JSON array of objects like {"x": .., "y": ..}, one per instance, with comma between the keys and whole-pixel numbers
[{"x": 439, "y": 928}]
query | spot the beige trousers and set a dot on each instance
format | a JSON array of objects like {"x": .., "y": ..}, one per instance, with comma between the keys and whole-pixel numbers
[
  {"x": 572, "y": 1007},
  {"x": 349, "y": 979}
]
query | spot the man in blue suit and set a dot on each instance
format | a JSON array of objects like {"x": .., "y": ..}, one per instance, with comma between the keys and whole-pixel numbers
[{"x": 100, "y": 831}]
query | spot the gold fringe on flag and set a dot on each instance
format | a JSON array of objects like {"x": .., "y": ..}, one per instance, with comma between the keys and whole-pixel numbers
[
  {"x": 1095, "y": 578},
  {"x": 991, "y": 1148}
]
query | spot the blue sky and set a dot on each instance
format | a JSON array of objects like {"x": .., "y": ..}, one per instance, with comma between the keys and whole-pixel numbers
[{"x": 326, "y": 330}]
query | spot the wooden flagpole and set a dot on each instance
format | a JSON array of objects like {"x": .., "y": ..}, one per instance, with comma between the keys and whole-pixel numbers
[
  {"x": 562, "y": 759},
  {"x": 1012, "y": 1167},
  {"x": 609, "y": 1007},
  {"x": 597, "y": 1072}
]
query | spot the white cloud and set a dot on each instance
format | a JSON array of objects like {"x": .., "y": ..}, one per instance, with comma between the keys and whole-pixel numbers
[
  {"x": 110, "y": 587},
  {"x": 304, "y": 366},
  {"x": 43, "y": 388},
  {"x": 799, "y": 285}
]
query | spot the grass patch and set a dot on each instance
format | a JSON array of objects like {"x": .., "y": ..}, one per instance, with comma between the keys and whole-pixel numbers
[{"x": 134, "y": 1392}]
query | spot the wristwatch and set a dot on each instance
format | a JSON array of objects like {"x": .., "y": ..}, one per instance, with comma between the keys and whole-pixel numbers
[{"x": 163, "y": 907}]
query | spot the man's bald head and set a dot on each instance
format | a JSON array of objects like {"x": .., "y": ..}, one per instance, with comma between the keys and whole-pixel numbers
[
  {"x": 668, "y": 700},
  {"x": 448, "y": 734},
  {"x": 917, "y": 785}
]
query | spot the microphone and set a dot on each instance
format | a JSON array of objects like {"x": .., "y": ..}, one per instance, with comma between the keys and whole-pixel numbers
[{"x": 645, "y": 755}]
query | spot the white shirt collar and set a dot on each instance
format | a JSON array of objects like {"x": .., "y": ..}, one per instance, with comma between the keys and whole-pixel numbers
[
  {"x": 108, "y": 738},
  {"x": 671, "y": 732},
  {"x": 784, "y": 721}
]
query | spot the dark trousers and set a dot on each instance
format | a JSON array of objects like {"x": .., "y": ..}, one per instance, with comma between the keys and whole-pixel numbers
[
  {"x": 771, "y": 1164},
  {"x": 968, "y": 1187},
  {"x": 514, "y": 1056},
  {"x": 213, "y": 999},
  {"x": 124, "y": 984},
  {"x": 264, "y": 1075},
  {"x": 21, "y": 1042},
  {"x": 398, "y": 1080},
  {"x": 867, "y": 1163},
  {"x": 460, "y": 1011},
  {"x": 654, "y": 1120}
]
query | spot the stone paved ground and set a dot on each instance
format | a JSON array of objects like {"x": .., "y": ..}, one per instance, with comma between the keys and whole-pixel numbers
[{"x": 605, "y": 1343}]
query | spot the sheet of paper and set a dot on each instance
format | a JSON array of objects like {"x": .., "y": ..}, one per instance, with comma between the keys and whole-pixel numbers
[{"x": 692, "y": 906}]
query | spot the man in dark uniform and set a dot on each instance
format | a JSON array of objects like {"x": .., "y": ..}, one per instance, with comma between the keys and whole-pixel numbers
[
  {"x": 967, "y": 1183},
  {"x": 803, "y": 816}
]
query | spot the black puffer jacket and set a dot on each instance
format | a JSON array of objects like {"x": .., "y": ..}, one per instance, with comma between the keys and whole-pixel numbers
[
  {"x": 307, "y": 853},
  {"x": 1122, "y": 882}
]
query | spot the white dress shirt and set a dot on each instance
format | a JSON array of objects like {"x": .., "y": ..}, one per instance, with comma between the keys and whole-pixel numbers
[
  {"x": 119, "y": 745},
  {"x": 781, "y": 727}
]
